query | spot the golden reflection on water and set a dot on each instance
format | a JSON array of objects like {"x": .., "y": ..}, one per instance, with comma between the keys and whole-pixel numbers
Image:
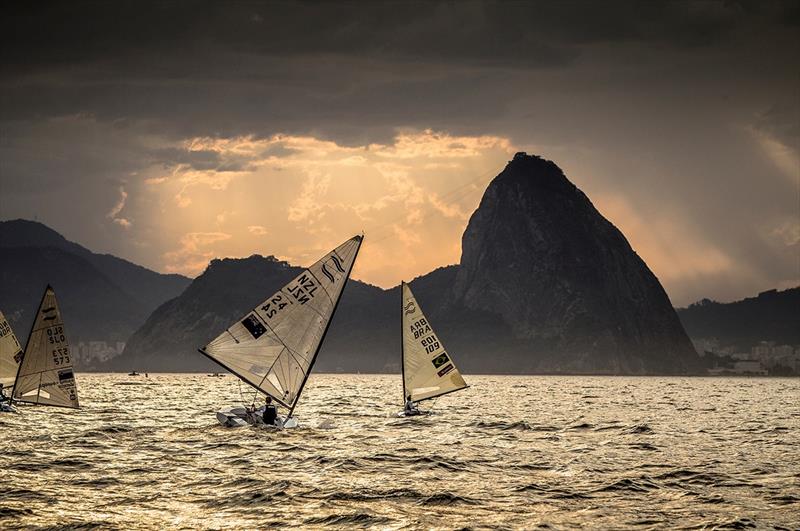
[{"x": 601, "y": 452}]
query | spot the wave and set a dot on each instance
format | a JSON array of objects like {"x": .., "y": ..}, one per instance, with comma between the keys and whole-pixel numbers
[
  {"x": 223, "y": 498},
  {"x": 628, "y": 484},
  {"x": 639, "y": 428},
  {"x": 24, "y": 495},
  {"x": 359, "y": 519},
  {"x": 553, "y": 493},
  {"x": 439, "y": 498},
  {"x": 581, "y": 426},
  {"x": 448, "y": 498},
  {"x": 366, "y": 496},
  {"x": 11, "y": 512},
  {"x": 519, "y": 425},
  {"x": 97, "y": 483},
  {"x": 644, "y": 446},
  {"x": 694, "y": 477}
]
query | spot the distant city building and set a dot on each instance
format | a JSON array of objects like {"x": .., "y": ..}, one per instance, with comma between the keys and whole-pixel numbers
[
  {"x": 783, "y": 350},
  {"x": 749, "y": 367},
  {"x": 91, "y": 353}
]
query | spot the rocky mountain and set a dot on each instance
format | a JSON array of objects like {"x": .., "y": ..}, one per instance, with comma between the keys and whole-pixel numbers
[
  {"x": 144, "y": 285},
  {"x": 771, "y": 316},
  {"x": 227, "y": 290},
  {"x": 538, "y": 253},
  {"x": 104, "y": 298},
  {"x": 545, "y": 284}
]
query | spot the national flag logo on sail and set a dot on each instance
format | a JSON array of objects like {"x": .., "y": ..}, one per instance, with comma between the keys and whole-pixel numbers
[
  {"x": 254, "y": 326},
  {"x": 440, "y": 360},
  {"x": 65, "y": 376}
]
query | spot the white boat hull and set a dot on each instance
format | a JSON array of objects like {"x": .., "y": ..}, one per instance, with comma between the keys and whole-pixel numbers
[
  {"x": 413, "y": 414},
  {"x": 7, "y": 408},
  {"x": 237, "y": 417}
]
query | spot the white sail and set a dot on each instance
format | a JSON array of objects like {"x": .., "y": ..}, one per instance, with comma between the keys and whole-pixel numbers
[
  {"x": 45, "y": 373},
  {"x": 273, "y": 347},
  {"x": 428, "y": 370},
  {"x": 10, "y": 353}
]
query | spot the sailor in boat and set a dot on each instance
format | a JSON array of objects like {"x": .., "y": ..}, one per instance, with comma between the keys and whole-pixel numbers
[
  {"x": 5, "y": 402},
  {"x": 411, "y": 408},
  {"x": 270, "y": 412}
]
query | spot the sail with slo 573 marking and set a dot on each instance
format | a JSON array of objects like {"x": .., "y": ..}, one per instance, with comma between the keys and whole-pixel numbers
[
  {"x": 428, "y": 370},
  {"x": 45, "y": 373},
  {"x": 274, "y": 346}
]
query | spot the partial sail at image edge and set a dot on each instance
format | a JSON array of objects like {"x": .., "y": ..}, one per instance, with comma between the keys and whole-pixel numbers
[
  {"x": 273, "y": 347},
  {"x": 10, "y": 353},
  {"x": 46, "y": 376},
  {"x": 428, "y": 370}
]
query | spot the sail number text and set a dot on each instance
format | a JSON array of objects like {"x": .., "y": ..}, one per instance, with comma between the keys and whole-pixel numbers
[
  {"x": 421, "y": 329},
  {"x": 55, "y": 336}
]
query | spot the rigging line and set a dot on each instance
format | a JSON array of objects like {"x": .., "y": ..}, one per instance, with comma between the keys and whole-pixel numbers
[
  {"x": 241, "y": 396},
  {"x": 433, "y": 405}
]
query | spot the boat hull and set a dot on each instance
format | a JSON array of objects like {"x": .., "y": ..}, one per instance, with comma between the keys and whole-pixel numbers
[
  {"x": 413, "y": 414},
  {"x": 237, "y": 417}
]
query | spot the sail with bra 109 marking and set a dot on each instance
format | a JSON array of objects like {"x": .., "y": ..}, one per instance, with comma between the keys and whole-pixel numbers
[
  {"x": 273, "y": 347},
  {"x": 428, "y": 370},
  {"x": 10, "y": 353},
  {"x": 45, "y": 374}
]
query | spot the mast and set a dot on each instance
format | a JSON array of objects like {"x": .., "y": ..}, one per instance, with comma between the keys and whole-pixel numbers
[
  {"x": 27, "y": 341},
  {"x": 402, "y": 343},
  {"x": 325, "y": 332}
]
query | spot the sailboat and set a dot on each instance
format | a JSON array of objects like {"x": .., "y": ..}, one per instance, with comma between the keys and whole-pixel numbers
[
  {"x": 45, "y": 374},
  {"x": 273, "y": 347},
  {"x": 10, "y": 354},
  {"x": 428, "y": 370}
]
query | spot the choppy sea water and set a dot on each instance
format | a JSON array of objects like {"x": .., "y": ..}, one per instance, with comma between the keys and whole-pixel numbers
[{"x": 509, "y": 452}]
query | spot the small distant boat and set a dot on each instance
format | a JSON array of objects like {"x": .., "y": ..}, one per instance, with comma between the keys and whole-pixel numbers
[
  {"x": 10, "y": 354},
  {"x": 273, "y": 347},
  {"x": 45, "y": 376},
  {"x": 133, "y": 373},
  {"x": 428, "y": 370},
  {"x": 216, "y": 375}
]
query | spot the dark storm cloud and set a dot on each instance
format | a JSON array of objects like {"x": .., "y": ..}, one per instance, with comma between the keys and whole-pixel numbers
[
  {"x": 526, "y": 33},
  {"x": 238, "y": 63},
  {"x": 658, "y": 100}
]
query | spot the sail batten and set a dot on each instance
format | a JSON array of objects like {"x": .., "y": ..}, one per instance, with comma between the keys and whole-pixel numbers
[
  {"x": 273, "y": 347},
  {"x": 428, "y": 369},
  {"x": 46, "y": 374}
]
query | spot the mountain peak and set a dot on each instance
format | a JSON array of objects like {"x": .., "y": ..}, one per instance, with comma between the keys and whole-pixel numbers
[
  {"x": 27, "y": 233},
  {"x": 535, "y": 171},
  {"x": 539, "y": 254}
]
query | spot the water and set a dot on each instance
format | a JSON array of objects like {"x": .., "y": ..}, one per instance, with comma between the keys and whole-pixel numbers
[{"x": 509, "y": 452}]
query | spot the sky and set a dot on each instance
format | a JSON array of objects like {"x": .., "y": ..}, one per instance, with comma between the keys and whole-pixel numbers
[{"x": 171, "y": 133}]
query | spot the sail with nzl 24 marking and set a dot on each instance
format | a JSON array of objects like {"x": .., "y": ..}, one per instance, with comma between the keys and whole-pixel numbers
[
  {"x": 274, "y": 346},
  {"x": 428, "y": 370},
  {"x": 10, "y": 353},
  {"x": 45, "y": 374}
]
